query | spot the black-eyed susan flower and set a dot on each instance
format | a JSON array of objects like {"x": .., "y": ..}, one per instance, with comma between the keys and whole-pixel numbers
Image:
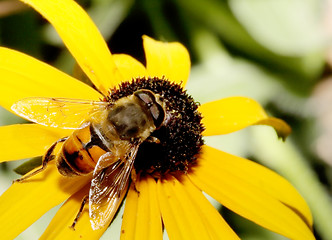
[{"x": 171, "y": 172}]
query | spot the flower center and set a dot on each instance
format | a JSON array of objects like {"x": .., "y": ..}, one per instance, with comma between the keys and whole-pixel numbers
[{"x": 180, "y": 135}]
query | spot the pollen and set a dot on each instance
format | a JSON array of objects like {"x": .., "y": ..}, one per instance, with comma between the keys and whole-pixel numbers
[{"x": 180, "y": 136}]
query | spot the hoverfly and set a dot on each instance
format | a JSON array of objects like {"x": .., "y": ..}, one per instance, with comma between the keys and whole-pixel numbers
[{"x": 105, "y": 143}]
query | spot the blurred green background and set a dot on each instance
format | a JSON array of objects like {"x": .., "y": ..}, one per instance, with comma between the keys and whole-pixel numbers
[{"x": 275, "y": 51}]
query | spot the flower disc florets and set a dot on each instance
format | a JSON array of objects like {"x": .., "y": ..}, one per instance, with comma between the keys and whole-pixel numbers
[{"x": 180, "y": 135}]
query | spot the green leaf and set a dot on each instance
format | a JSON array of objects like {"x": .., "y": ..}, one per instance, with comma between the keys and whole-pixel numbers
[
  {"x": 286, "y": 27},
  {"x": 216, "y": 16},
  {"x": 28, "y": 165}
]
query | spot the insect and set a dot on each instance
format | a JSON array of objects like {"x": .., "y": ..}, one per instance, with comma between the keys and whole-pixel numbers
[{"x": 104, "y": 143}]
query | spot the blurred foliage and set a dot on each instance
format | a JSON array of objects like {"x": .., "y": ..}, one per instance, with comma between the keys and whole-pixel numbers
[{"x": 274, "y": 51}]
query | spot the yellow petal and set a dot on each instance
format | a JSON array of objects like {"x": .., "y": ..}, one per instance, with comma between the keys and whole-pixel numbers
[
  {"x": 21, "y": 141},
  {"x": 182, "y": 217},
  {"x": 83, "y": 40},
  {"x": 169, "y": 60},
  {"x": 234, "y": 113},
  {"x": 129, "y": 67},
  {"x": 142, "y": 219},
  {"x": 250, "y": 198},
  {"x": 257, "y": 175},
  {"x": 216, "y": 225},
  {"x": 23, "y": 76},
  {"x": 59, "y": 228},
  {"x": 129, "y": 216},
  {"x": 23, "y": 203}
]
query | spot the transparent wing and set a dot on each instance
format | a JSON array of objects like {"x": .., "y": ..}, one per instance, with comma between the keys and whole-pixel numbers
[
  {"x": 57, "y": 112},
  {"x": 108, "y": 188}
]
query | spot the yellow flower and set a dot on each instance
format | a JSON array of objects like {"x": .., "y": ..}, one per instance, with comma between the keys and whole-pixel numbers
[{"x": 173, "y": 198}]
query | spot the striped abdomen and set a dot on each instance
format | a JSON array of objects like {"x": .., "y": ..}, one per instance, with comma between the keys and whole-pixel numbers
[{"x": 81, "y": 152}]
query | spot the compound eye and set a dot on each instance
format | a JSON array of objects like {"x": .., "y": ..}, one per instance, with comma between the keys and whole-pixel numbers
[
  {"x": 149, "y": 101},
  {"x": 158, "y": 114},
  {"x": 146, "y": 97}
]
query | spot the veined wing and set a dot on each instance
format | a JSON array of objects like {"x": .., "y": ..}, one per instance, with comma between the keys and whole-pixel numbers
[
  {"x": 57, "y": 112},
  {"x": 108, "y": 188}
]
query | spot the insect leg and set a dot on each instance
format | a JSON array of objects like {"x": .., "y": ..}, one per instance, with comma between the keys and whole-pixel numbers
[
  {"x": 134, "y": 176},
  {"x": 84, "y": 200},
  {"x": 46, "y": 159},
  {"x": 152, "y": 139}
]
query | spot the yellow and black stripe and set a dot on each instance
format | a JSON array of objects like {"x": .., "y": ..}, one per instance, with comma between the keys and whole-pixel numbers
[{"x": 81, "y": 152}]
